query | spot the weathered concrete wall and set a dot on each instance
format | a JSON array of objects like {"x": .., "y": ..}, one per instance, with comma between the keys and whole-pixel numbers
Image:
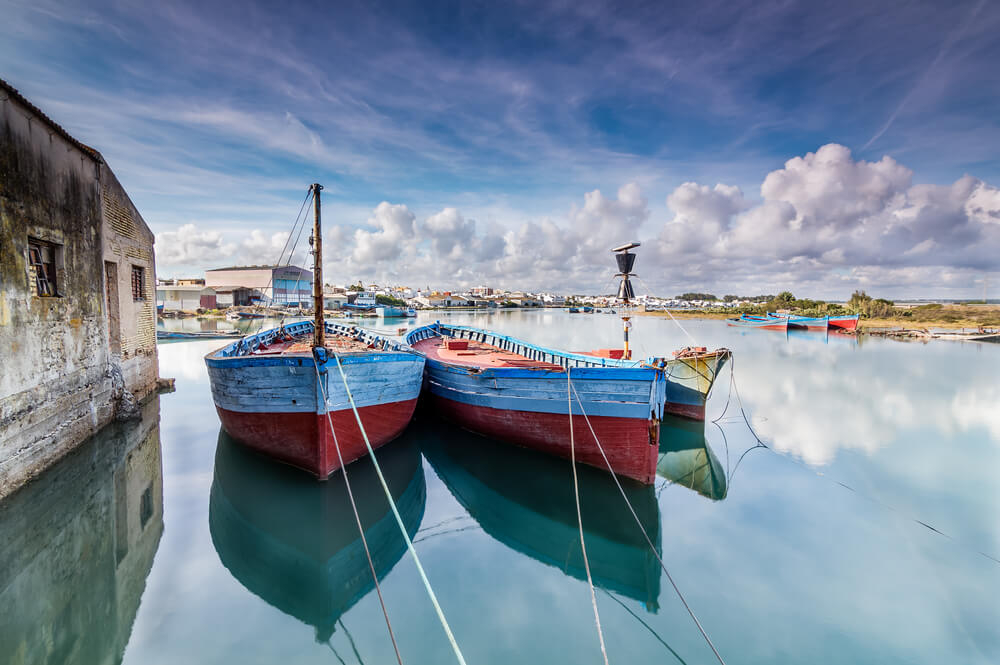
[
  {"x": 128, "y": 242},
  {"x": 54, "y": 391},
  {"x": 78, "y": 545},
  {"x": 55, "y": 351}
]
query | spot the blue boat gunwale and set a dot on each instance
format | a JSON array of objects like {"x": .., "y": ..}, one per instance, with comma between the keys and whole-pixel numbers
[
  {"x": 236, "y": 354},
  {"x": 796, "y": 318},
  {"x": 631, "y": 368}
]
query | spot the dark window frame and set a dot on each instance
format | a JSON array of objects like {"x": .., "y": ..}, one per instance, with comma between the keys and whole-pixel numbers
[
  {"x": 43, "y": 262},
  {"x": 138, "y": 283}
]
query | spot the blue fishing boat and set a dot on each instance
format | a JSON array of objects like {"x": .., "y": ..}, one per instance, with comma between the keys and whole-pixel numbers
[
  {"x": 803, "y": 322},
  {"x": 390, "y": 312},
  {"x": 761, "y": 322},
  {"x": 574, "y": 310},
  {"x": 281, "y": 391},
  {"x": 206, "y": 334},
  {"x": 516, "y": 391}
]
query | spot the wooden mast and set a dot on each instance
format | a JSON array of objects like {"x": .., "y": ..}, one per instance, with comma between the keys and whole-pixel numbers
[{"x": 319, "y": 329}]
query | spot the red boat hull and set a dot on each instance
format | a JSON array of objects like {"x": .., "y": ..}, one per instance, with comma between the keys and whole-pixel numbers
[
  {"x": 631, "y": 444},
  {"x": 844, "y": 324},
  {"x": 304, "y": 439}
]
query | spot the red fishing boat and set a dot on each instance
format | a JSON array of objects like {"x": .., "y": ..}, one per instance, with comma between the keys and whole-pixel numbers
[
  {"x": 517, "y": 392},
  {"x": 847, "y": 322}
]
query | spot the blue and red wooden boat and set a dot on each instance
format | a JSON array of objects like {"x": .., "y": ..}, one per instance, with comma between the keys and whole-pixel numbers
[
  {"x": 803, "y": 322},
  {"x": 516, "y": 392},
  {"x": 267, "y": 396},
  {"x": 761, "y": 322},
  {"x": 846, "y": 322},
  {"x": 277, "y": 391}
]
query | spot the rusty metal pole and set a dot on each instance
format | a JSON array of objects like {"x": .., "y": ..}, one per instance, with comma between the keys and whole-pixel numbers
[{"x": 319, "y": 333}]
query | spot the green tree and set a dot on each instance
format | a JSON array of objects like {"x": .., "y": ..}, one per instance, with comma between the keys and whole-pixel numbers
[{"x": 382, "y": 299}]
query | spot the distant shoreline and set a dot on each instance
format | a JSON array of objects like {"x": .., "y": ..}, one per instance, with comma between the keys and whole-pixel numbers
[{"x": 945, "y": 320}]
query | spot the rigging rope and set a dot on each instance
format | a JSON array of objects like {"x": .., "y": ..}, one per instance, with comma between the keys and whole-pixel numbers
[
  {"x": 309, "y": 195},
  {"x": 357, "y": 517},
  {"x": 641, "y": 527},
  {"x": 399, "y": 520},
  {"x": 579, "y": 518},
  {"x": 667, "y": 309}
]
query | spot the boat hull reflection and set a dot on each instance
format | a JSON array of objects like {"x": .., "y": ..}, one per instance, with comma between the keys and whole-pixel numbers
[
  {"x": 525, "y": 500},
  {"x": 686, "y": 458},
  {"x": 295, "y": 543}
]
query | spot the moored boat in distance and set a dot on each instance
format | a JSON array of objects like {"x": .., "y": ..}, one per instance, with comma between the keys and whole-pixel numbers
[
  {"x": 846, "y": 322},
  {"x": 200, "y": 334},
  {"x": 280, "y": 391},
  {"x": 761, "y": 322},
  {"x": 390, "y": 312},
  {"x": 803, "y": 322}
]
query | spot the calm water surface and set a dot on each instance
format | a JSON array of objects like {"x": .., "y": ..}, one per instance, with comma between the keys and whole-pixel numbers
[{"x": 867, "y": 532}]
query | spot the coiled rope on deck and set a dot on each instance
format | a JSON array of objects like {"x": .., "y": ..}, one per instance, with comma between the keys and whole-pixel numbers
[
  {"x": 579, "y": 518},
  {"x": 639, "y": 522},
  {"x": 357, "y": 517},
  {"x": 399, "y": 519}
]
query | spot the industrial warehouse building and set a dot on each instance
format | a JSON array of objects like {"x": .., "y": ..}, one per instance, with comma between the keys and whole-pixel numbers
[{"x": 278, "y": 285}]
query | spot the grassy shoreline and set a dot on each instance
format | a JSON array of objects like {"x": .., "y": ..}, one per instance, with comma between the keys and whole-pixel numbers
[{"x": 950, "y": 317}]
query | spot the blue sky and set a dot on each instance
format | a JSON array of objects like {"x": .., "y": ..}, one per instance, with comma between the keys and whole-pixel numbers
[{"x": 514, "y": 143}]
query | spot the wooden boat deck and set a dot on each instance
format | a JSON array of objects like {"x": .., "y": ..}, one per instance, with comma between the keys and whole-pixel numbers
[
  {"x": 477, "y": 354},
  {"x": 303, "y": 345}
]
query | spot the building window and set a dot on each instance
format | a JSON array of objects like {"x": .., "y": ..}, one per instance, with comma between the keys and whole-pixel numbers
[
  {"x": 138, "y": 283},
  {"x": 42, "y": 257},
  {"x": 146, "y": 506}
]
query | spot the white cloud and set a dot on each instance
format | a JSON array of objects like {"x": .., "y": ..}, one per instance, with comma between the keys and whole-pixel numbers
[
  {"x": 395, "y": 228},
  {"x": 825, "y": 222},
  {"x": 187, "y": 245}
]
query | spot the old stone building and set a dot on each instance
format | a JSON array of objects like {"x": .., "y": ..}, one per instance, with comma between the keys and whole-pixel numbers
[{"x": 77, "y": 304}]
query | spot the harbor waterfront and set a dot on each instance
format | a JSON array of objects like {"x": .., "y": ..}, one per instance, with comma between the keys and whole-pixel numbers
[{"x": 865, "y": 529}]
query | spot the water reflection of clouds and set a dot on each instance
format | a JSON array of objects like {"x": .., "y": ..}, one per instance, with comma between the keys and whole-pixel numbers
[
  {"x": 813, "y": 400},
  {"x": 186, "y": 360},
  {"x": 979, "y": 408}
]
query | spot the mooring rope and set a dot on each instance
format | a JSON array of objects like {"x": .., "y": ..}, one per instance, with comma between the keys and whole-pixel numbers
[
  {"x": 357, "y": 517},
  {"x": 644, "y": 624},
  {"x": 639, "y": 522},
  {"x": 579, "y": 518},
  {"x": 399, "y": 519}
]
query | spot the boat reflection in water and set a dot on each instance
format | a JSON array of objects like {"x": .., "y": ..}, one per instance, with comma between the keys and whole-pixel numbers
[
  {"x": 524, "y": 499},
  {"x": 687, "y": 460},
  {"x": 294, "y": 542}
]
